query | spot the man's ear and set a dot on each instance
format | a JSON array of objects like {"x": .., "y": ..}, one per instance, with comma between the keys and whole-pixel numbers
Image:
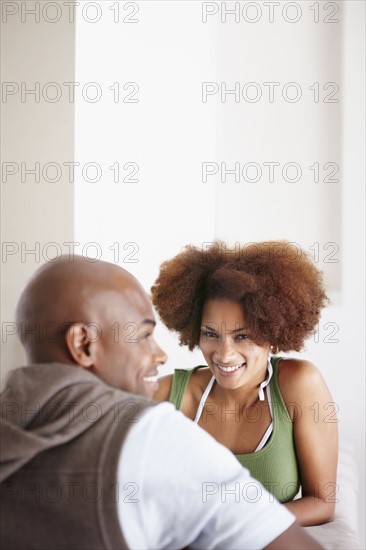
[{"x": 81, "y": 345}]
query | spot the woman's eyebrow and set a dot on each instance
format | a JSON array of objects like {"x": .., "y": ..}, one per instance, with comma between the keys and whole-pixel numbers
[{"x": 234, "y": 330}]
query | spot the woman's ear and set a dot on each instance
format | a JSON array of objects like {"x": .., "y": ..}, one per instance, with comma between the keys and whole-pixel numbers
[{"x": 81, "y": 345}]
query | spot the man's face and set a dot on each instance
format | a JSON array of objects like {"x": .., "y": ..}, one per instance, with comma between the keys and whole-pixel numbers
[{"x": 127, "y": 354}]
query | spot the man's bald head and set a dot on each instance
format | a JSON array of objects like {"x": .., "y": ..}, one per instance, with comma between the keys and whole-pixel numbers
[
  {"x": 93, "y": 315},
  {"x": 65, "y": 292}
]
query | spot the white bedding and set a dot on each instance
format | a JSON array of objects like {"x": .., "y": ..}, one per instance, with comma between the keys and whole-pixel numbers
[{"x": 342, "y": 533}]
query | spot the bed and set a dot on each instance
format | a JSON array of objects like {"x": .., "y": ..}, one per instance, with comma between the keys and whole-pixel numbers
[{"x": 343, "y": 532}]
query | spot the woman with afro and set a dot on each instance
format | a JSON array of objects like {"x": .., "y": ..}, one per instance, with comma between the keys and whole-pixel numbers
[{"x": 244, "y": 307}]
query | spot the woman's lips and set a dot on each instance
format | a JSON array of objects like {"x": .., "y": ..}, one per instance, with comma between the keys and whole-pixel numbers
[{"x": 230, "y": 370}]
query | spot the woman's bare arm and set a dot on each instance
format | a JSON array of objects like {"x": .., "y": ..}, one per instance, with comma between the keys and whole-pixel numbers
[
  {"x": 312, "y": 410},
  {"x": 293, "y": 538}
]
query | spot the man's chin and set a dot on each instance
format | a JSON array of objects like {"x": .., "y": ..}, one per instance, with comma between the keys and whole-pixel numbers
[{"x": 149, "y": 388}]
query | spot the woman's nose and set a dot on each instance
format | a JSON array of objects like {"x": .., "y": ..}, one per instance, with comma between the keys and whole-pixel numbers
[{"x": 226, "y": 352}]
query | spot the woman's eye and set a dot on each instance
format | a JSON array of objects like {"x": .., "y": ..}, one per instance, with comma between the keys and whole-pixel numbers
[
  {"x": 208, "y": 334},
  {"x": 241, "y": 337}
]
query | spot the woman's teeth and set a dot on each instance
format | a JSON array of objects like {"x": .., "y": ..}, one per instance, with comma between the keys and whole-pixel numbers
[{"x": 230, "y": 369}]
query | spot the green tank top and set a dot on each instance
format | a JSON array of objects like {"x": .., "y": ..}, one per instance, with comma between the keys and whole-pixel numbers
[{"x": 275, "y": 465}]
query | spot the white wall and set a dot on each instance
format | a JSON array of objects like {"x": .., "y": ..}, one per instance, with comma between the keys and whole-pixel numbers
[
  {"x": 351, "y": 369},
  {"x": 293, "y": 135},
  {"x": 33, "y": 130}
]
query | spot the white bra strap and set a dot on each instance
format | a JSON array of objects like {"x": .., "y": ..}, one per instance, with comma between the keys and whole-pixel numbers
[
  {"x": 265, "y": 438},
  {"x": 269, "y": 430},
  {"x": 203, "y": 400},
  {"x": 267, "y": 380},
  {"x": 268, "y": 390}
]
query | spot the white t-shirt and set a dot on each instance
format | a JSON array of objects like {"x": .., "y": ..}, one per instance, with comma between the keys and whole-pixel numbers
[{"x": 180, "y": 487}]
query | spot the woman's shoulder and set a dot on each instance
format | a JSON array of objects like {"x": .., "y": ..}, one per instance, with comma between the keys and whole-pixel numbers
[
  {"x": 294, "y": 373},
  {"x": 165, "y": 385},
  {"x": 199, "y": 379},
  {"x": 299, "y": 381},
  {"x": 198, "y": 376}
]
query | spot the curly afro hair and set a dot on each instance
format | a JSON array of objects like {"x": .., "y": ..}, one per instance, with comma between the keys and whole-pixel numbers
[{"x": 278, "y": 285}]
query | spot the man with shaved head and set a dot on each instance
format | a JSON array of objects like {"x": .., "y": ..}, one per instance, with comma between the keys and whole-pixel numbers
[
  {"x": 95, "y": 315},
  {"x": 88, "y": 461}
]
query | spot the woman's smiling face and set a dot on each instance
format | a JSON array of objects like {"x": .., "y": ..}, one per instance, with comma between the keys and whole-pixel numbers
[{"x": 234, "y": 359}]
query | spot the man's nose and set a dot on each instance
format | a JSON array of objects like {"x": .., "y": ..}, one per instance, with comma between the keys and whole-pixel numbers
[{"x": 160, "y": 355}]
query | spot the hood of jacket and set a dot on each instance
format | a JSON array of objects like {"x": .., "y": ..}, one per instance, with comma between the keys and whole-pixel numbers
[{"x": 47, "y": 405}]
